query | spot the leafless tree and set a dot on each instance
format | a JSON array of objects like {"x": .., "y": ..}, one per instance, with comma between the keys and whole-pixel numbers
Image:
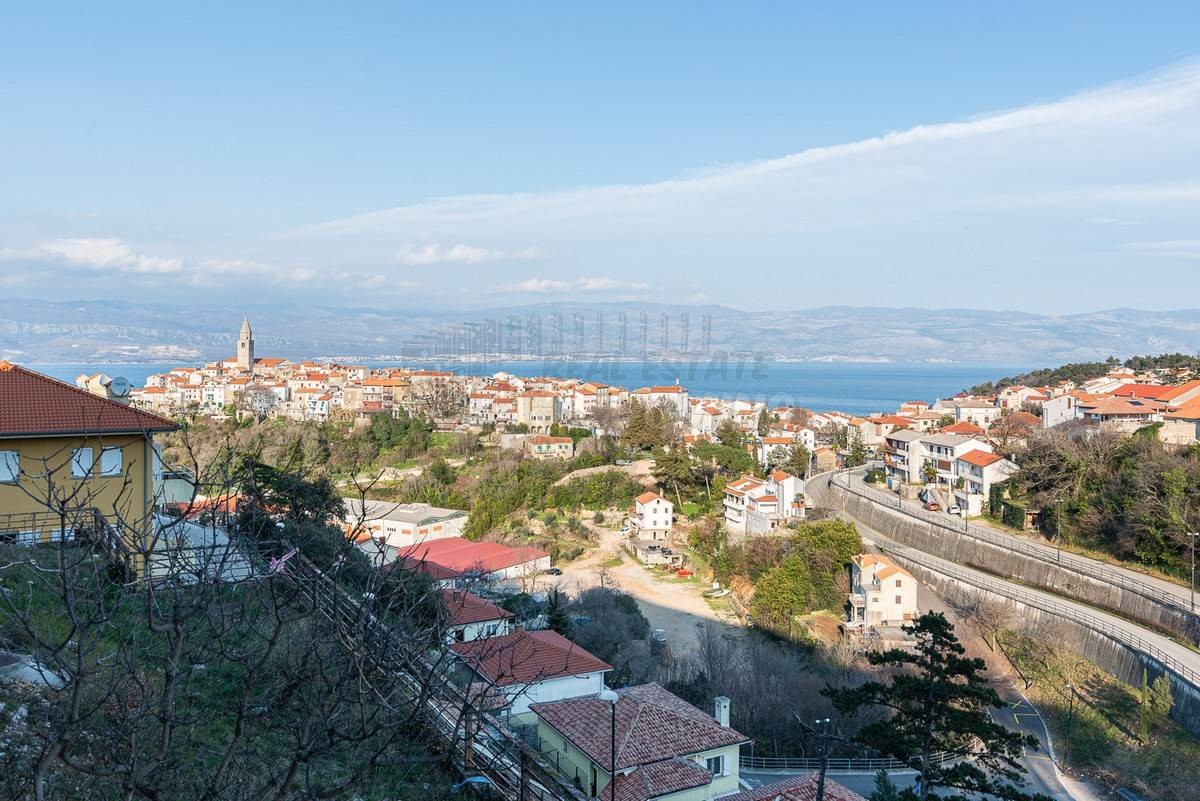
[
  {"x": 438, "y": 399},
  {"x": 183, "y": 659}
]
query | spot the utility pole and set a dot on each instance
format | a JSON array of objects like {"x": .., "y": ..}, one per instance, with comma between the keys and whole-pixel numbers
[
  {"x": 823, "y": 751},
  {"x": 1192, "y": 536}
]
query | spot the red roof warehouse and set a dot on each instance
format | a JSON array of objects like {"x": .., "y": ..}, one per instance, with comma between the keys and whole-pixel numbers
[{"x": 463, "y": 556}]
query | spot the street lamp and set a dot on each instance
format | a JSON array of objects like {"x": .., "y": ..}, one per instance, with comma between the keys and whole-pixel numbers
[
  {"x": 1070, "y": 717},
  {"x": 821, "y": 725},
  {"x": 611, "y": 697}
]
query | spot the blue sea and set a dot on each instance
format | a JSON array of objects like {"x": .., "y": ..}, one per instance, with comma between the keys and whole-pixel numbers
[{"x": 857, "y": 388}]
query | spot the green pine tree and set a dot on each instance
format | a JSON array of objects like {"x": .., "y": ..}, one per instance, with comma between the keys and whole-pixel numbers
[
  {"x": 938, "y": 701},
  {"x": 885, "y": 788}
]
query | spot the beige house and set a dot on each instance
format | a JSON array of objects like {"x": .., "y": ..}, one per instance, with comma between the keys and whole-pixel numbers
[
  {"x": 881, "y": 592},
  {"x": 538, "y": 409},
  {"x": 544, "y": 446},
  {"x": 73, "y": 463},
  {"x": 666, "y": 748}
]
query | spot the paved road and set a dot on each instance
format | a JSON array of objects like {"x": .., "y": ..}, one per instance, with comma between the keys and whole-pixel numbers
[{"x": 1180, "y": 594}]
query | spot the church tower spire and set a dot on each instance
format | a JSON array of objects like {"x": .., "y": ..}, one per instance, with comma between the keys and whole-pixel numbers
[{"x": 245, "y": 346}]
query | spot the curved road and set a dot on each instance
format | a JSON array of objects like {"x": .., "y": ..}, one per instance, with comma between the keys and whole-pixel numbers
[
  {"x": 1186, "y": 662},
  {"x": 1162, "y": 590}
]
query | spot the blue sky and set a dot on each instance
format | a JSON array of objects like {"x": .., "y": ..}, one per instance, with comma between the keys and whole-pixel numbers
[{"x": 1035, "y": 156}]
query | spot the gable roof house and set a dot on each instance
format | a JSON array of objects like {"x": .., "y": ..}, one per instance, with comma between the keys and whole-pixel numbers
[
  {"x": 665, "y": 747},
  {"x": 72, "y": 462},
  {"x": 529, "y": 667}
]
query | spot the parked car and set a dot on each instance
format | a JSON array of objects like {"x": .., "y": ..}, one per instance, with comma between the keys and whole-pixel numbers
[
  {"x": 623, "y": 463},
  {"x": 954, "y": 510},
  {"x": 553, "y": 571},
  {"x": 659, "y": 635},
  {"x": 933, "y": 506}
]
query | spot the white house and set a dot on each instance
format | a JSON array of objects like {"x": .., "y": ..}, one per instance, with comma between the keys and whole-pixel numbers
[
  {"x": 472, "y": 618},
  {"x": 674, "y": 398},
  {"x": 976, "y": 471},
  {"x": 941, "y": 450},
  {"x": 529, "y": 667},
  {"x": 755, "y": 506},
  {"x": 653, "y": 516},
  {"x": 902, "y": 456},
  {"x": 881, "y": 592},
  {"x": 978, "y": 412}
]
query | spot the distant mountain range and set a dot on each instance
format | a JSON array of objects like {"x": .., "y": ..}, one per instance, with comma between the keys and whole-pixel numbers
[{"x": 114, "y": 331}]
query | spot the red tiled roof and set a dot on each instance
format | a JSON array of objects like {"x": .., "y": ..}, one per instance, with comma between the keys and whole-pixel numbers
[
  {"x": 796, "y": 788},
  {"x": 981, "y": 458},
  {"x": 780, "y": 475},
  {"x": 466, "y": 607},
  {"x": 661, "y": 778},
  {"x": 431, "y": 569},
  {"x": 1153, "y": 391},
  {"x": 1182, "y": 389},
  {"x": 969, "y": 429},
  {"x": 652, "y": 726},
  {"x": 527, "y": 656},
  {"x": 546, "y": 439},
  {"x": 1023, "y": 419},
  {"x": 32, "y": 404},
  {"x": 647, "y": 497},
  {"x": 464, "y": 556}
]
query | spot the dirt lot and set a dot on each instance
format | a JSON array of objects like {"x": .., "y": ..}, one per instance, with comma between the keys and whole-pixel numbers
[
  {"x": 675, "y": 606},
  {"x": 639, "y": 470}
]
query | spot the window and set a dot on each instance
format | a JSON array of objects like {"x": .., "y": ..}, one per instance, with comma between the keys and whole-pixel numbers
[
  {"x": 81, "y": 462},
  {"x": 715, "y": 765},
  {"x": 110, "y": 461},
  {"x": 899, "y": 583},
  {"x": 898, "y": 601},
  {"x": 10, "y": 466}
]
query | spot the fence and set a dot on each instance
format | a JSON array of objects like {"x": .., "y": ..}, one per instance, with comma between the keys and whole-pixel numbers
[
  {"x": 1085, "y": 567},
  {"x": 478, "y": 740},
  {"x": 833, "y": 764}
]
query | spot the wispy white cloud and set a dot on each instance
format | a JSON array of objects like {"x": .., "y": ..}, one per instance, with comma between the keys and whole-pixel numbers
[
  {"x": 1019, "y": 192},
  {"x": 550, "y": 286},
  {"x": 424, "y": 255},
  {"x": 94, "y": 253}
]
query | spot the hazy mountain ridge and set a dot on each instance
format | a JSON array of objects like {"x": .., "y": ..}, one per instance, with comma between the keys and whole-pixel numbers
[{"x": 98, "y": 331}]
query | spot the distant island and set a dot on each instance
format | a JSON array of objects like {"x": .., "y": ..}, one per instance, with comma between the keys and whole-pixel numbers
[{"x": 38, "y": 331}]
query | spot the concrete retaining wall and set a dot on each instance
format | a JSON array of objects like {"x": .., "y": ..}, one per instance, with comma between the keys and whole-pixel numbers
[
  {"x": 1103, "y": 651},
  {"x": 971, "y": 552}
]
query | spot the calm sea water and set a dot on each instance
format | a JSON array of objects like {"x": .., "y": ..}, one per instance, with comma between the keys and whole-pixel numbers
[{"x": 856, "y": 388}]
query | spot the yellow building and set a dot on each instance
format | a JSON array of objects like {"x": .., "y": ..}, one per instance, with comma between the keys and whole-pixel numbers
[
  {"x": 666, "y": 749},
  {"x": 72, "y": 462}
]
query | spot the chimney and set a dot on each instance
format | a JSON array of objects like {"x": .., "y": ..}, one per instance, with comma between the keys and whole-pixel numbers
[{"x": 721, "y": 712}]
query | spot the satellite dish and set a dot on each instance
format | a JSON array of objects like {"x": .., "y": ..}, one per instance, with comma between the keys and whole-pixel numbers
[{"x": 119, "y": 386}]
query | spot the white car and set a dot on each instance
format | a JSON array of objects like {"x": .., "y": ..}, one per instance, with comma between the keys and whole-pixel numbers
[{"x": 659, "y": 635}]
